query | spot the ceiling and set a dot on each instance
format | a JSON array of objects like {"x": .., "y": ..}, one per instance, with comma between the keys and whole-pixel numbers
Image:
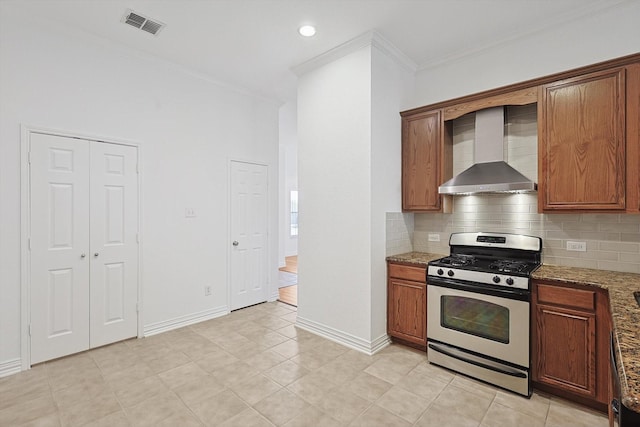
[{"x": 253, "y": 44}]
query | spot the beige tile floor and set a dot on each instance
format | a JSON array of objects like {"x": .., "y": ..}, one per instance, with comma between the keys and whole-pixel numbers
[{"x": 255, "y": 368}]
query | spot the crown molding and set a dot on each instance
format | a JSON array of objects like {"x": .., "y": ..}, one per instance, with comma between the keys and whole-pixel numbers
[{"x": 371, "y": 38}]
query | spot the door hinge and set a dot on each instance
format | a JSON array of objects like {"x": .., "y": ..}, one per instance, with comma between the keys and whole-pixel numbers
[
  {"x": 29, "y": 157},
  {"x": 29, "y": 330},
  {"x": 29, "y": 244},
  {"x": 137, "y": 308},
  {"x": 137, "y": 167},
  {"x": 137, "y": 237}
]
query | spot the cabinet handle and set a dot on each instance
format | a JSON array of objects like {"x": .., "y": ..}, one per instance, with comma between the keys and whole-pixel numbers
[
  {"x": 235, "y": 243},
  {"x": 96, "y": 254},
  {"x": 83, "y": 255}
]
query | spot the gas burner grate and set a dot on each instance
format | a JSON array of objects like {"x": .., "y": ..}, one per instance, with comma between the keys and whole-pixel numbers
[
  {"x": 509, "y": 266},
  {"x": 458, "y": 260}
]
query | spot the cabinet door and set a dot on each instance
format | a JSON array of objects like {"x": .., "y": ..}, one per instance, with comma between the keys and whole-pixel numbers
[
  {"x": 421, "y": 169},
  {"x": 632, "y": 117},
  {"x": 407, "y": 305},
  {"x": 566, "y": 349},
  {"x": 582, "y": 143},
  {"x": 570, "y": 338}
]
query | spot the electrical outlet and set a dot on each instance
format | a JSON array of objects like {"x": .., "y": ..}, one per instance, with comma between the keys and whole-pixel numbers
[
  {"x": 189, "y": 213},
  {"x": 207, "y": 290},
  {"x": 577, "y": 246},
  {"x": 433, "y": 237}
]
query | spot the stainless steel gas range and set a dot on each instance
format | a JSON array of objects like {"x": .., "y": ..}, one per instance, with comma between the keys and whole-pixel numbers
[{"x": 478, "y": 307}]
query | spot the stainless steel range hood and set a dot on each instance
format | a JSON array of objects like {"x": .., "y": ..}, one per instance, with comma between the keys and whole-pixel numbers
[{"x": 490, "y": 173}]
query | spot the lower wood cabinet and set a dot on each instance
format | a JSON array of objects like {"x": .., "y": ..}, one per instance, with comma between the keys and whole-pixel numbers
[
  {"x": 407, "y": 304},
  {"x": 570, "y": 333}
]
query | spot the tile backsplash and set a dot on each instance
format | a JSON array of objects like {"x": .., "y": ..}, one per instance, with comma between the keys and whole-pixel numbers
[
  {"x": 612, "y": 240},
  {"x": 400, "y": 227}
]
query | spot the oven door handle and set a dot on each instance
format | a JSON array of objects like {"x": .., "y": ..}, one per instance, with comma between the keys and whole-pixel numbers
[
  {"x": 486, "y": 364},
  {"x": 480, "y": 288}
]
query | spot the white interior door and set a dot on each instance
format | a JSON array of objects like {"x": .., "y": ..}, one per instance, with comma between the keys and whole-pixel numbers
[
  {"x": 114, "y": 247},
  {"x": 59, "y": 246},
  {"x": 84, "y": 249},
  {"x": 249, "y": 234}
]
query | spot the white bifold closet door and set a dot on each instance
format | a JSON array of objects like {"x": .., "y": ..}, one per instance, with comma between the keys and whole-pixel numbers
[{"x": 84, "y": 248}]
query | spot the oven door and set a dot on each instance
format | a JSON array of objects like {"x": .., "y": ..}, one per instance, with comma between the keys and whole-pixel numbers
[{"x": 485, "y": 321}]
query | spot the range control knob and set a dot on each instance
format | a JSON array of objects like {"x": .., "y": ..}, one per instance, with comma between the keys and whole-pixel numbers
[
  {"x": 450, "y": 273},
  {"x": 509, "y": 281},
  {"x": 440, "y": 272},
  {"x": 496, "y": 279}
]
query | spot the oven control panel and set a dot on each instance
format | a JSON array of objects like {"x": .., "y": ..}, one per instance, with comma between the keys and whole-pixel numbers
[{"x": 487, "y": 278}]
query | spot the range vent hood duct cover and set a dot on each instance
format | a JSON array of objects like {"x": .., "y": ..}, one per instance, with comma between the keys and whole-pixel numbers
[{"x": 490, "y": 173}]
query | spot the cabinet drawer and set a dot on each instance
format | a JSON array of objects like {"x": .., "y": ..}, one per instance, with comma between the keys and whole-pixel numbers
[
  {"x": 416, "y": 274},
  {"x": 568, "y": 297}
]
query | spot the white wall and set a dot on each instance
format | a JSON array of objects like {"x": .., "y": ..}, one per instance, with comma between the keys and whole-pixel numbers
[
  {"x": 391, "y": 84},
  {"x": 334, "y": 179},
  {"x": 188, "y": 128},
  {"x": 589, "y": 39},
  {"x": 349, "y": 176},
  {"x": 288, "y": 176}
]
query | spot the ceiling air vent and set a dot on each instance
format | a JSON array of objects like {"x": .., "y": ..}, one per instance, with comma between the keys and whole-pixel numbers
[{"x": 142, "y": 22}]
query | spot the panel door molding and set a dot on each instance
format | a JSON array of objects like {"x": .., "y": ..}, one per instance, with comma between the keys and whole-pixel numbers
[
  {"x": 114, "y": 246},
  {"x": 249, "y": 245},
  {"x": 59, "y": 246},
  {"x": 80, "y": 263}
]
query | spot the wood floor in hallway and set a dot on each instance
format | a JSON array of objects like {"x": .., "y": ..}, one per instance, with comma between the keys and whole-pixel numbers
[
  {"x": 289, "y": 295},
  {"x": 291, "y": 264},
  {"x": 289, "y": 275}
]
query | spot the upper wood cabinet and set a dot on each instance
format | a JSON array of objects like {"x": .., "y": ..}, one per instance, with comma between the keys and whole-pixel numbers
[
  {"x": 633, "y": 137},
  {"x": 423, "y": 161},
  {"x": 588, "y": 139},
  {"x": 581, "y": 141}
]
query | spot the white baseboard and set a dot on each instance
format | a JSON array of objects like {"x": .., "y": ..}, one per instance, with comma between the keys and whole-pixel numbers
[
  {"x": 380, "y": 343},
  {"x": 189, "y": 319},
  {"x": 351, "y": 341},
  {"x": 10, "y": 367}
]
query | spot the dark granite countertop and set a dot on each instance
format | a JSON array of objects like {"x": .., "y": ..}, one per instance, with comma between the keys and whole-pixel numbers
[
  {"x": 416, "y": 258},
  {"x": 624, "y": 311}
]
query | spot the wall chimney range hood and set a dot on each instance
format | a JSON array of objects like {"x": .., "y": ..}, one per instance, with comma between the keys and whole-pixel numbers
[{"x": 490, "y": 173}]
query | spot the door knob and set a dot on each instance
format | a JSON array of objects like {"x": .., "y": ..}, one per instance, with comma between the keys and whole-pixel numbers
[
  {"x": 96, "y": 254},
  {"x": 235, "y": 243},
  {"x": 83, "y": 255}
]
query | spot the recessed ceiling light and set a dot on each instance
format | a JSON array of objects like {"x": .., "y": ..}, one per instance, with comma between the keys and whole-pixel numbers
[{"x": 307, "y": 30}]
